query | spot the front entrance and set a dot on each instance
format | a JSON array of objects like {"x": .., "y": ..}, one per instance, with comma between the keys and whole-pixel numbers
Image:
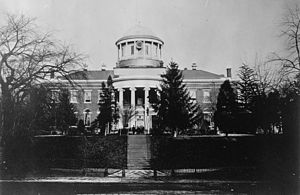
[{"x": 140, "y": 121}]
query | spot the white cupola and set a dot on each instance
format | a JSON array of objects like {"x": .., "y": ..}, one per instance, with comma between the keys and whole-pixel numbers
[{"x": 139, "y": 47}]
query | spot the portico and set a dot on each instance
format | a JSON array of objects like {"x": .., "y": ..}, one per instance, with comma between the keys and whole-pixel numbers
[{"x": 135, "y": 100}]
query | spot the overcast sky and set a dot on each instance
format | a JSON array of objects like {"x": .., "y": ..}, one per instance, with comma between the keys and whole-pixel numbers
[{"x": 215, "y": 34}]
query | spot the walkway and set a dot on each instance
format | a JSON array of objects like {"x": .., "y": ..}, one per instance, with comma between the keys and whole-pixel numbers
[{"x": 138, "y": 152}]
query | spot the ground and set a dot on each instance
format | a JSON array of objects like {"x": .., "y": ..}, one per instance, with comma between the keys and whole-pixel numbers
[{"x": 143, "y": 182}]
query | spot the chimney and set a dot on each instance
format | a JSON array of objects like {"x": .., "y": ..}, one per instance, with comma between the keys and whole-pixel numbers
[
  {"x": 228, "y": 71},
  {"x": 194, "y": 66},
  {"x": 103, "y": 67}
]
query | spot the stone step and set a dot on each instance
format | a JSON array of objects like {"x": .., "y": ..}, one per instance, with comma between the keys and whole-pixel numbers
[
  {"x": 138, "y": 161},
  {"x": 138, "y": 152}
]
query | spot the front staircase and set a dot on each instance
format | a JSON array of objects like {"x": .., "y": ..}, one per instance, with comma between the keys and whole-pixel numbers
[{"x": 138, "y": 152}]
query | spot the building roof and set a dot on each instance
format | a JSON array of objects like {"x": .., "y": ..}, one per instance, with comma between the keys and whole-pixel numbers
[
  {"x": 103, "y": 74},
  {"x": 91, "y": 75},
  {"x": 200, "y": 74},
  {"x": 139, "y": 31}
]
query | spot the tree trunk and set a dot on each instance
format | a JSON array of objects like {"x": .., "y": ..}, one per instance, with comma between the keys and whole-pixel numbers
[{"x": 7, "y": 113}]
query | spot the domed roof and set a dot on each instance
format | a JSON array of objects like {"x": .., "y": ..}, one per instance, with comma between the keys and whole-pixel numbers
[{"x": 139, "y": 31}]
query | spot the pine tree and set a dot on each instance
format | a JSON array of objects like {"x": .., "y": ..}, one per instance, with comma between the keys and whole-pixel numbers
[
  {"x": 35, "y": 113},
  {"x": 65, "y": 115},
  {"x": 247, "y": 87},
  {"x": 107, "y": 107},
  {"x": 226, "y": 108},
  {"x": 176, "y": 110}
]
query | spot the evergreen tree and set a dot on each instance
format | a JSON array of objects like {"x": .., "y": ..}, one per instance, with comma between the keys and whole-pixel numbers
[
  {"x": 107, "y": 107},
  {"x": 226, "y": 108},
  {"x": 249, "y": 97},
  {"x": 40, "y": 112},
  {"x": 176, "y": 111},
  {"x": 247, "y": 87},
  {"x": 38, "y": 108},
  {"x": 65, "y": 111}
]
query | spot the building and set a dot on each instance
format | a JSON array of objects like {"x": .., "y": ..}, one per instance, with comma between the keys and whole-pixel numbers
[{"x": 136, "y": 74}]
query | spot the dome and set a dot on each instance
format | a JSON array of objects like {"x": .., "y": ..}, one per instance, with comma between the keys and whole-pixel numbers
[{"x": 139, "y": 31}]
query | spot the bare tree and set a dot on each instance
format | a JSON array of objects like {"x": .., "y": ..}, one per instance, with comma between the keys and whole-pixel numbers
[
  {"x": 127, "y": 114},
  {"x": 268, "y": 76},
  {"x": 27, "y": 57},
  {"x": 291, "y": 32}
]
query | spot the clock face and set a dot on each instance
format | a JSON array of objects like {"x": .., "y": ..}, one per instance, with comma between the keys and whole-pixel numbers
[{"x": 139, "y": 45}]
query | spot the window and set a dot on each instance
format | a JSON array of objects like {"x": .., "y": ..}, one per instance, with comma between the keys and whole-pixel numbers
[
  {"x": 77, "y": 117},
  {"x": 193, "y": 93},
  {"x": 132, "y": 49},
  {"x": 73, "y": 98},
  {"x": 123, "y": 50},
  {"x": 147, "y": 50},
  {"x": 55, "y": 95},
  {"x": 206, "y": 96},
  {"x": 155, "y": 50},
  {"x": 160, "y": 51},
  {"x": 87, "y": 117},
  {"x": 99, "y": 95},
  {"x": 87, "y": 96}
]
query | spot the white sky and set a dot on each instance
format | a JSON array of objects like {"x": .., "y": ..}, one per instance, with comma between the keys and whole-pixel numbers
[{"x": 215, "y": 34}]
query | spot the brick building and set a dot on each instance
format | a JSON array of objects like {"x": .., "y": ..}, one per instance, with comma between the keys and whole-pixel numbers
[{"x": 136, "y": 74}]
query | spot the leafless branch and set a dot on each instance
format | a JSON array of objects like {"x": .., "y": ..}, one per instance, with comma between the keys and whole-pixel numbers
[
  {"x": 290, "y": 31},
  {"x": 28, "y": 56}
]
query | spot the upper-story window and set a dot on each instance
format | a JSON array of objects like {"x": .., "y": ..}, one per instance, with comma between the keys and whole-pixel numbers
[
  {"x": 55, "y": 95},
  {"x": 87, "y": 96},
  {"x": 73, "y": 98},
  {"x": 123, "y": 50},
  {"x": 206, "y": 96},
  {"x": 160, "y": 51},
  {"x": 147, "y": 49},
  {"x": 155, "y": 49},
  {"x": 99, "y": 95},
  {"x": 132, "y": 49},
  {"x": 193, "y": 93}
]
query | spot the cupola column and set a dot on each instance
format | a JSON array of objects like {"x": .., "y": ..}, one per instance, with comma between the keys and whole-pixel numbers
[{"x": 151, "y": 49}]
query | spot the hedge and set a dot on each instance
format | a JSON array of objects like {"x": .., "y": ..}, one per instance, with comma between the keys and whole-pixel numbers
[
  {"x": 269, "y": 153},
  {"x": 75, "y": 152}
]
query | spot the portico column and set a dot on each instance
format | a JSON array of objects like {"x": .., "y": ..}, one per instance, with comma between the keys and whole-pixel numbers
[
  {"x": 121, "y": 97},
  {"x": 146, "y": 109},
  {"x": 132, "y": 90},
  {"x": 121, "y": 105}
]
